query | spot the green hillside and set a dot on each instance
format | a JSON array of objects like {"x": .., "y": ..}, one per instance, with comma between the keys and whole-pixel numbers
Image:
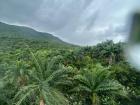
[
  {"x": 39, "y": 69},
  {"x": 12, "y": 37}
]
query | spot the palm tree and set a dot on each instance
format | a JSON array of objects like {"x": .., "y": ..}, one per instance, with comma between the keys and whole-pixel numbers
[
  {"x": 43, "y": 78},
  {"x": 17, "y": 73},
  {"x": 109, "y": 51},
  {"x": 96, "y": 81}
]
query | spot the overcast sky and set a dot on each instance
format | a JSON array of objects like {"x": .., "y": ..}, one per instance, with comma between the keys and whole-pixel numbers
[{"x": 84, "y": 22}]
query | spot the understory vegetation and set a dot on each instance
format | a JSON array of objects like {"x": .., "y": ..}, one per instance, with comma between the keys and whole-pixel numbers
[{"x": 96, "y": 75}]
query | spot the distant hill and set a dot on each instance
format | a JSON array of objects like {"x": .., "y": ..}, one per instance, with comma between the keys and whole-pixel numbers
[{"x": 12, "y": 37}]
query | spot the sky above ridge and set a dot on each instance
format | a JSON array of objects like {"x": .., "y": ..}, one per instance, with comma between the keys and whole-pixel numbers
[{"x": 83, "y": 22}]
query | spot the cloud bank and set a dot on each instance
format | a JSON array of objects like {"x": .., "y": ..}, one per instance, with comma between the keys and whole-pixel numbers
[{"x": 83, "y": 22}]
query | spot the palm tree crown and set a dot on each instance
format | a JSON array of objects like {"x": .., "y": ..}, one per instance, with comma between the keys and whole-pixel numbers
[
  {"x": 44, "y": 75},
  {"x": 97, "y": 80}
]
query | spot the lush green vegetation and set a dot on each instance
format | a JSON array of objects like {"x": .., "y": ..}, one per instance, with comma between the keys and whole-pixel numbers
[
  {"x": 15, "y": 37},
  {"x": 36, "y": 72}
]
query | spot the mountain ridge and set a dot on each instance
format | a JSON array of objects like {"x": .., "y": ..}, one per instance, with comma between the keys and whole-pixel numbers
[
  {"x": 24, "y": 28},
  {"x": 14, "y": 33}
]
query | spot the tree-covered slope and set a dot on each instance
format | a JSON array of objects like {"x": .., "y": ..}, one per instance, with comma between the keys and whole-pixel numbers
[{"x": 12, "y": 36}]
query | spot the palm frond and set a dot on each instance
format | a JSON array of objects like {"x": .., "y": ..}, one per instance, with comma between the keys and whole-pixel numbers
[{"x": 22, "y": 95}]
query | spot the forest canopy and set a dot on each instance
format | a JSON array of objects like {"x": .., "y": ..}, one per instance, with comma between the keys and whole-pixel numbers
[{"x": 92, "y": 75}]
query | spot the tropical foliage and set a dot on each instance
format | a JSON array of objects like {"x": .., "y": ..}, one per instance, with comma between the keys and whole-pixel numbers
[
  {"x": 97, "y": 82},
  {"x": 44, "y": 74}
]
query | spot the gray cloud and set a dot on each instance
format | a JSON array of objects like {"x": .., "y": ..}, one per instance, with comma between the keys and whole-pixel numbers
[
  {"x": 84, "y": 22},
  {"x": 18, "y": 10}
]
